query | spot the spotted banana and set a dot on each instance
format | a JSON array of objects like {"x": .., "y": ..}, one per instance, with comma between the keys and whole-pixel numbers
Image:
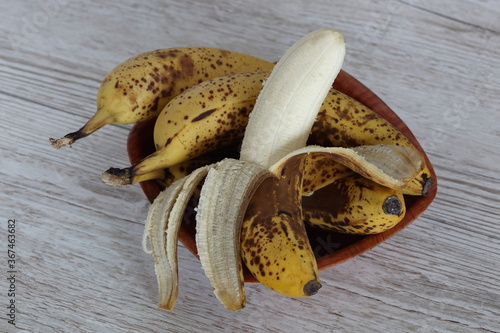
[
  {"x": 229, "y": 185},
  {"x": 140, "y": 87},
  {"x": 341, "y": 122},
  {"x": 355, "y": 205}
]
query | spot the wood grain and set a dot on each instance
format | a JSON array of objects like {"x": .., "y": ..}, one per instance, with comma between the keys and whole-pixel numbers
[{"x": 80, "y": 264}]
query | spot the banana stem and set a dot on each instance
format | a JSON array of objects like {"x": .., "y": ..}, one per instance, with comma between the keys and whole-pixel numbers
[
  {"x": 100, "y": 119},
  {"x": 117, "y": 177},
  {"x": 68, "y": 139},
  {"x": 158, "y": 174}
]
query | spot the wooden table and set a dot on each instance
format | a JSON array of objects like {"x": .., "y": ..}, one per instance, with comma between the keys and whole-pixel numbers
[{"x": 79, "y": 265}]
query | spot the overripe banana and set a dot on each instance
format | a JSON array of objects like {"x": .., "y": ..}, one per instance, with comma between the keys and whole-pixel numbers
[
  {"x": 355, "y": 205},
  {"x": 280, "y": 123},
  {"x": 221, "y": 108},
  {"x": 341, "y": 122},
  {"x": 229, "y": 183},
  {"x": 309, "y": 154},
  {"x": 274, "y": 242},
  {"x": 140, "y": 87},
  {"x": 273, "y": 233},
  {"x": 345, "y": 122}
]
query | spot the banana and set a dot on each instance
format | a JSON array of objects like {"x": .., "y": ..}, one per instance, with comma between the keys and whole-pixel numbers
[
  {"x": 221, "y": 114},
  {"x": 274, "y": 242},
  {"x": 341, "y": 122},
  {"x": 345, "y": 122},
  {"x": 354, "y": 205},
  {"x": 228, "y": 186},
  {"x": 140, "y": 87}
]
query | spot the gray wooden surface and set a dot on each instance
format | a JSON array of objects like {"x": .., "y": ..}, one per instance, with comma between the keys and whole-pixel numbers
[{"x": 79, "y": 262}]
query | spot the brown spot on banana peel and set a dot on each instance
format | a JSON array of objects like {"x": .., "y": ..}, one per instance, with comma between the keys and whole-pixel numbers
[{"x": 203, "y": 115}]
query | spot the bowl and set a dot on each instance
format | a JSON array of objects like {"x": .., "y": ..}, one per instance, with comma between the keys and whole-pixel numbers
[{"x": 330, "y": 248}]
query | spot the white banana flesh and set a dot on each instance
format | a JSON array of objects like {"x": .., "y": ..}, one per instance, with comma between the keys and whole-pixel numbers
[{"x": 287, "y": 106}]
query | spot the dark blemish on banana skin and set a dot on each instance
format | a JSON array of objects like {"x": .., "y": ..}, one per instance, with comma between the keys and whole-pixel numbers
[{"x": 203, "y": 115}]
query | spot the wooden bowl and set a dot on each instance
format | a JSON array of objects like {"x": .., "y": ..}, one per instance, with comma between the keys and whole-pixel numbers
[{"x": 330, "y": 248}]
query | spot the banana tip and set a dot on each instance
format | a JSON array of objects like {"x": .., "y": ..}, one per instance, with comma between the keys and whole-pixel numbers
[
  {"x": 427, "y": 185},
  {"x": 312, "y": 287},
  {"x": 392, "y": 205}
]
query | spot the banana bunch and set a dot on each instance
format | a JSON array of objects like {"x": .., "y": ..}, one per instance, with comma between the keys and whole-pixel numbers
[
  {"x": 267, "y": 149},
  {"x": 213, "y": 115}
]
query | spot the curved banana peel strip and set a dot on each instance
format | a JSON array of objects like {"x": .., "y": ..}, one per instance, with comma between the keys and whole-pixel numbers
[
  {"x": 162, "y": 226},
  {"x": 224, "y": 196},
  {"x": 388, "y": 165},
  {"x": 156, "y": 224}
]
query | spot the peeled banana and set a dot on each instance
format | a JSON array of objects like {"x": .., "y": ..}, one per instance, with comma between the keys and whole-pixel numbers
[
  {"x": 228, "y": 186},
  {"x": 280, "y": 123},
  {"x": 140, "y": 87}
]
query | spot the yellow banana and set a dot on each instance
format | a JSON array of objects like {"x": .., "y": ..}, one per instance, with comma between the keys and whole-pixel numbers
[
  {"x": 140, "y": 87},
  {"x": 345, "y": 122},
  {"x": 229, "y": 185},
  {"x": 342, "y": 122},
  {"x": 209, "y": 115},
  {"x": 274, "y": 241},
  {"x": 354, "y": 205}
]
